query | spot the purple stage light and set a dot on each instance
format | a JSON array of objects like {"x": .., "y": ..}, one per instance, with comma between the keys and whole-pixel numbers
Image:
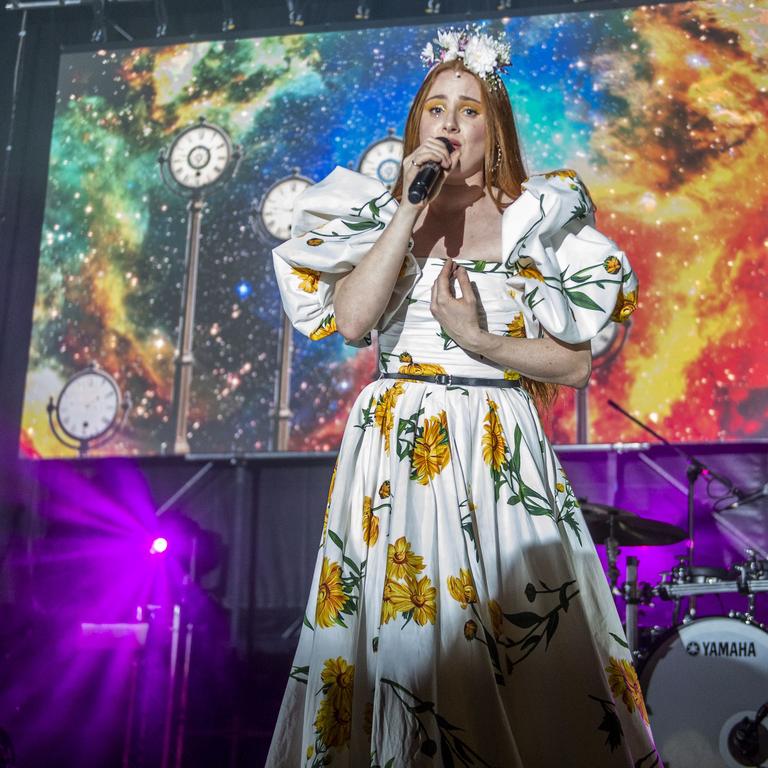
[{"x": 159, "y": 545}]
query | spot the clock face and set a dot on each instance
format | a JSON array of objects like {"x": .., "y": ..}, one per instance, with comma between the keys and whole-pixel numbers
[
  {"x": 382, "y": 160},
  {"x": 199, "y": 156},
  {"x": 88, "y": 405},
  {"x": 276, "y": 208}
]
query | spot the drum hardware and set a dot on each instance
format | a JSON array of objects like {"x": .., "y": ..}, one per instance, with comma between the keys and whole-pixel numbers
[
  {"x": 636, "y": 594},
  {"x": 614, "y": 527},
  {"x": 690, "y": 582},
  {"x": 631, "y": 605},
  {"x": 752, "y": 568},
  {"x": 748, "y": 578},
  {"x": 597, "y": 516},
  {"x": 697, "y": 721},
  {"x": 752, "y": 577},
  {"x": 748, "y": 741},
  {"x": 647, "y": 639},
  {"x": 746, "y": 618},
  {"x": 685, "y": 582},
  {"x": 755, "y": 588},
  {"x": 601, "y": 523},
  {"x": 744, "y": 578},
  {"x": 700, "y": 574}
]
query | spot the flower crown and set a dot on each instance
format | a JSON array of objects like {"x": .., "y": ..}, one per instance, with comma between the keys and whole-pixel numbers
[{"x": 479, "y": 52}]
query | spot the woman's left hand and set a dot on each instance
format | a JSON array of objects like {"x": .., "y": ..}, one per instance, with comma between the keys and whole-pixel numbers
[{"x": 458, "y": 317}]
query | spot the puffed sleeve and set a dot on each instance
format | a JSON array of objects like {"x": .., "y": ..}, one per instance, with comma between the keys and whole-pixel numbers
[
  {"x": 335, "y": 223},
  {"x": 574, "y": 279}
]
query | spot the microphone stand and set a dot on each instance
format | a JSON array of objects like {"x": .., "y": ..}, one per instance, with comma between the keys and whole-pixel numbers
[{"x": 695, "y": 469}]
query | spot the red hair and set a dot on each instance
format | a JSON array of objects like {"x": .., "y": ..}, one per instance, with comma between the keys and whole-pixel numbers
[{"x": 504, "y": 170}]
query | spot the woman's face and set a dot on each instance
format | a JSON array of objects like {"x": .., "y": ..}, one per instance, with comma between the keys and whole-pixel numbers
[{"x": 454, "y": 109}]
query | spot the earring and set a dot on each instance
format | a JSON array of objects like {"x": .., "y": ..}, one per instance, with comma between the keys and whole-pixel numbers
[{"x": 497, "y": 160}]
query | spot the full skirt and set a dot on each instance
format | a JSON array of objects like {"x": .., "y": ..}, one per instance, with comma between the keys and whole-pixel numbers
[{"x": 458, "y": 613}]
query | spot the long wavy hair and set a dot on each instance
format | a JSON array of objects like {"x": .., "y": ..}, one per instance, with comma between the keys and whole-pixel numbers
[{"x": 504, "y": 169}]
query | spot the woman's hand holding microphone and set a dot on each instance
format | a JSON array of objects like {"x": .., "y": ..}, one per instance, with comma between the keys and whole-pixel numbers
[{"x": 425, "y": 171}]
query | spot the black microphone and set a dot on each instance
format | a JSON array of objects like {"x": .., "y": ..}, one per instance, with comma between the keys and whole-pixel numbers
[
  {"x": 427, "y": 176},
  {"x": 749, "y": 498}
]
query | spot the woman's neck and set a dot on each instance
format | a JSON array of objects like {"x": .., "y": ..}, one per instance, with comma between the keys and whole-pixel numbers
[{"x": 458, "y": 196}]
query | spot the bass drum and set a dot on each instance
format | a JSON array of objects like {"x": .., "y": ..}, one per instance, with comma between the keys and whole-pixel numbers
[{"x": 700, "y": 680}]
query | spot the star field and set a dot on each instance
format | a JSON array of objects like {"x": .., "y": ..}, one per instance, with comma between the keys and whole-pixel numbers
[{"x": 661, "y": 109}]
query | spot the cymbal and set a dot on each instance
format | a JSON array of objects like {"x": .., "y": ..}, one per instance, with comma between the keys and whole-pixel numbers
[
  {"x": 629, "y": 529},
  {"x": 603, "y": 509}
]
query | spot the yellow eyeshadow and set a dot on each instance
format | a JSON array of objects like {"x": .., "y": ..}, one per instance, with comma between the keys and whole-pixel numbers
[{"x": 430, "y": 103}]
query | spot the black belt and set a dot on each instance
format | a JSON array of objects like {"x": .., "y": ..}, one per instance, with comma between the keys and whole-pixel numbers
[{"x": 449, "y": 380}]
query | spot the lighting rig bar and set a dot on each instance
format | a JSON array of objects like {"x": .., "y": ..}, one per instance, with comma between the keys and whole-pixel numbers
[
  {"x": 34, "y": 5},
  {"x": 99, "y": 8}
]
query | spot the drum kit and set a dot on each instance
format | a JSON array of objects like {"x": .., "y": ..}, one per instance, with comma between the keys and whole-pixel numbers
[{"x": 705, "y": 678}]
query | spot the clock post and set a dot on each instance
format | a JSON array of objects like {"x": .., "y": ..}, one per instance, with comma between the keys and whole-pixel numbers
[
  {"x": 184, "y": 358},
  {"x": 271, "y": 217},
  {"x": 200, "y": 157}
]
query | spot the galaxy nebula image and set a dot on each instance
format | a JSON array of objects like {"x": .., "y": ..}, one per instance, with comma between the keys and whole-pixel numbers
[{"x": 660, "y": 109}]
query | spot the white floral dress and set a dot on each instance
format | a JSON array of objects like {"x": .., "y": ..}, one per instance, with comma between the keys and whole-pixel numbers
[{"x": 458, "y": 614}]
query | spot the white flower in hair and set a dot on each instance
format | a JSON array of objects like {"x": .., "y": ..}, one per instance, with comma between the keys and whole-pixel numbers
[
  {"x": 481, "y": 54},
  {"x": 450, "y": 41}
]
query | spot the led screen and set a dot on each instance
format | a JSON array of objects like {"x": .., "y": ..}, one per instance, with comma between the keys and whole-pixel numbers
[{"x": 661, "y": 109}]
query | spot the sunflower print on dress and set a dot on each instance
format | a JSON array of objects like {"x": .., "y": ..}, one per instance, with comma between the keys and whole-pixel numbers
[
  {"x": 407, "y": 592},
  {"x": 414, "y": 598},
  {"x": 625, "y": 306},
  {"x": 421, "y": 369},
  {"x": 326, "y": 328},
  {"x": 462, "y": 588},
  {"x": 310, "y": 278},
  {"x": 330, "y": 594},
  {"x": 431, "y": 451},
  {"x": 340, "y": 584},
  {"x": 384, "y": 412},
  {"x": 516, "y": 329},
  {"x": 494, "y": 443},
  {"x": 333, "y": 719},
  {"x": 370, "y": 522},
  {"x": 328, "y": 503},
  {"x": 624, "y": 684}
]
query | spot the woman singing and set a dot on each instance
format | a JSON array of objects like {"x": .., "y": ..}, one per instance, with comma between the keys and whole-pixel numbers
[{"x": 458, "y": 613}]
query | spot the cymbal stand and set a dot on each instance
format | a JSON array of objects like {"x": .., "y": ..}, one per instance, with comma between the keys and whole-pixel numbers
[
  {"x": 629, "y": 590},
  {"x": 631, "y": 602},
  {"x": 682, "y": 573},
  {"x": 676, "y": 607}
]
